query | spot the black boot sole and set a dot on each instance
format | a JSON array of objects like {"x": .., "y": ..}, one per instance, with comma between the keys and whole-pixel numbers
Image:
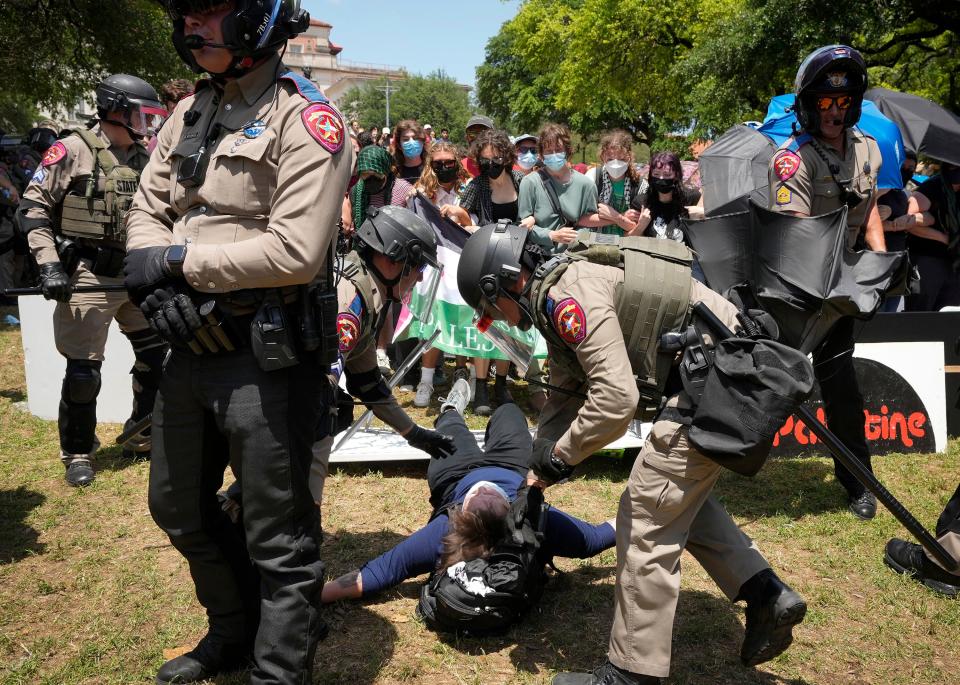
[
  {"x": 791, "y": 613},
  {"x": 935, "y": 585}
]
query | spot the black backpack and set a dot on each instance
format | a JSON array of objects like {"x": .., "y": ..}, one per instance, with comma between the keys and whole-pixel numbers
[{"x": 510, "y": 581}]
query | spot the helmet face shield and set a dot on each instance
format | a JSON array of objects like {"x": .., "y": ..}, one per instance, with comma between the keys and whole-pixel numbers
[
  {"x": 178, "y": 9},
  {"x": 145, "y": 119},
  {"x": 517, "y": 351}
]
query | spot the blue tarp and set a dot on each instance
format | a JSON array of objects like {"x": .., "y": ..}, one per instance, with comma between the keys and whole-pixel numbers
[{"x": 778, "y": 126}]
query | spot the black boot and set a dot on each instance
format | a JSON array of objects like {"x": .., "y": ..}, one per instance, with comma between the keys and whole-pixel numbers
[
  {"x": 607, "y": 674},
  {"x": 79, "y": 473},
  {"x": 773, "y": 609},
  {"x": 204, "y": 661},
  {"x": 910, "y": 559},
  {"x": 500, "y": 392},
  {"x": 481, "y": 400},
  {"x": 863, "y": 506}
]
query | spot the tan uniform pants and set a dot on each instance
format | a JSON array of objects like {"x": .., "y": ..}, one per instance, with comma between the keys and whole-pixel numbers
[
  {"x": 666, "y": 507},
  {"x": 80, "y": 326}
]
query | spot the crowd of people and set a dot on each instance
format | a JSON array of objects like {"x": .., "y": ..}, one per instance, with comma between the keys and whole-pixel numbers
[{"x": 263, "y": 243}]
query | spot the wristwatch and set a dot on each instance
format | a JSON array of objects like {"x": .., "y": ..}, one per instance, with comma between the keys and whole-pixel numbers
[{"x": 176, "y": 254}]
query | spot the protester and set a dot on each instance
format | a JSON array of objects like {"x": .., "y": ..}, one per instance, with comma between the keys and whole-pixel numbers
[
  {"x": 556, "y": 199},
  {"x": 617, "y": 182},
  {"x": 408, "y": 144},
  {"x": 525, "y": 145},
  {"x": 938, "y": 199},
  {"x": 444, "y": 136},
  {"x": 471, "y": 492},
  {"x": 666, "y": 201},
  {"x": 174, "y": 91},
  {"x": 475, "y": 126},
  {"x": 427, "y": 135}
]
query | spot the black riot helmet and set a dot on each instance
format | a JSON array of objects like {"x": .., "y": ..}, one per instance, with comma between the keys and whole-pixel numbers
[
  {"x": 490, "y": 263},
  {"x": 831, "y": 70},
  {"x": 401, "y": 236},
  {"x": 41, "y": 138},
  {"x": 252, "y": 29},
  {"x": 135, "y": 100}
]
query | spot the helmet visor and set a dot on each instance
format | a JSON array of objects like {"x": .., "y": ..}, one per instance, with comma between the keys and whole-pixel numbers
[
  {"x": 178, "y": 9},
  {"x": 517, "y": 351},
  {"x": 145, "y": 119}
]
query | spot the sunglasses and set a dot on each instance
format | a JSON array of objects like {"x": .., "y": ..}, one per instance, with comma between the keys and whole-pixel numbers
[
  {"x": 525, "y": 149},
  {"x": 826, "y": 102},
  {"x": 486, "y": 161},
  {"x": 440, "y": 165}
]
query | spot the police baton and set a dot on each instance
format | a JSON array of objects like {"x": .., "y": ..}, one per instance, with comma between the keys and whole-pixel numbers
[
  {"x": 22, "y": 292},
  {"x": 136, "y": 430},
  {"x": 849, "y": 460}
]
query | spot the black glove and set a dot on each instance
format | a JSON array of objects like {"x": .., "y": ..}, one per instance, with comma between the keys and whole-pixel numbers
[
  {"x": 144, "y": 269},
  {"x": 546, "y": 465},
  {"x": 172, "y": 316},
  {"x": 437, "y": 445},
  {"x": 54, "y": 282}
]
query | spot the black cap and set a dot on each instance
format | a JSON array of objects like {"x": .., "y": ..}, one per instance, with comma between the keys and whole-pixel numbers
[{"x": 480, "y": 120}]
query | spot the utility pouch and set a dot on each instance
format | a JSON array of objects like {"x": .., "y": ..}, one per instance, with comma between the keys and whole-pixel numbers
[
  {"x": 326, "y": 307},
  {"x": 68, "y": 252},
  {"x": 271, "y": 338}
]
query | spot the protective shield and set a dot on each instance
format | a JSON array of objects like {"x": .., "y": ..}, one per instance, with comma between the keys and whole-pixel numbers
[
  {"x": 145, "y": 119},
  {"x": 520, "y": 352},
  {"x": 798, "y": 268},
  {"x": 734, "y": 169}
]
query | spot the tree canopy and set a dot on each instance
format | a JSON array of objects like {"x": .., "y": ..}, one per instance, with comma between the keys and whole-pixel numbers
[
  {"x": 699, "y": 66},
  {"x": 435, "y": 99},
  {"x": 54, "y": 52}
]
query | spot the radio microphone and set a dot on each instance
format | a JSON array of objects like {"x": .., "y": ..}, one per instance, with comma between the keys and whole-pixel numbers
[{"x": 195, "y": 42}]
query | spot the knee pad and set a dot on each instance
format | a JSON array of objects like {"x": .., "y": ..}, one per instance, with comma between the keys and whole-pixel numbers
[{"x": 81, "y": 384}]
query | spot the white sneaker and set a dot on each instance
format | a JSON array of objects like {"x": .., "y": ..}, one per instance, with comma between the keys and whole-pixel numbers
[
  {"x": 458, "y": 398},
  {"x": 383, "y": 361},
  {"x": 422, "y": 398}
]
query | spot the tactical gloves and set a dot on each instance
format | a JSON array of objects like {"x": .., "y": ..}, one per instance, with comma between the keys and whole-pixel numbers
[
  {"x": 144, "y": 270},
  {"x": 172, "y": 316},
  {"x": 546, "y": 465},
  {"x": 54, "y": 282},
  {"x": 437, "y": 445}
]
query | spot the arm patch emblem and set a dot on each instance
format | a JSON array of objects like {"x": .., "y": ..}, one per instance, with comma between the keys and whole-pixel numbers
[
  {"x": 323, "y": 122},
  {"x": 570, "y": 321},
  {"x": 54, "y": 154},
  {"x": 348, "y": 331},
  {"x": 786, "y": 164}
]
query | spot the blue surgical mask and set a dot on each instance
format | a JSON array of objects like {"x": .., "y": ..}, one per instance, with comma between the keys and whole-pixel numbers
[
  {"x": 527, "y": 160},
  {"x": 556, "y": 161},
  {"x": 412, "y": 148}
]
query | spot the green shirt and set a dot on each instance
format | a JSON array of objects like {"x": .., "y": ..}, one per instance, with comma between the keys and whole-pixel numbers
[
  {"x": 577, "y": 197},
  {"x": 617, "y": 202}
]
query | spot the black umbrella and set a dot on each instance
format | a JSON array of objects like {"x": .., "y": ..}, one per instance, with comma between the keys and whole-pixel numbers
[
  {"x": 734, "y": 169},
  {"x": 926, "y": 126},
  {"x": 797, "y": 267}
]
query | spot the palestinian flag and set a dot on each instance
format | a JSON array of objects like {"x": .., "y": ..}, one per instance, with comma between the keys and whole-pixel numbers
[{"x": 450, "y": 313}]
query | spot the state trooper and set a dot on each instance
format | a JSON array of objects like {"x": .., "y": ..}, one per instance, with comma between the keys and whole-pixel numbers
[
  {"x": 599, "y": 317},
  {"x": 230, "y": 242},
  {"x": 393, "y": 248},
  {"x": 73, "y": 212},
  {"x": 828, "y": 164}
]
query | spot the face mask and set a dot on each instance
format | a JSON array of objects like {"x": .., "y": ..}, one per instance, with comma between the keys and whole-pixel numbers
[
  {"x": 492, "y": 171},
  {"x": 527, "y": 160},
  {"x": 374, "y": 185},
  {"x": 411, "y": 148},
  {"x": 446, "y": 175},
  {"x": 484, "y": 484},
  {"x": 615, "y": 168},
  {"x": 662, "y": 185},
  {"x": 556, "y": 161}
]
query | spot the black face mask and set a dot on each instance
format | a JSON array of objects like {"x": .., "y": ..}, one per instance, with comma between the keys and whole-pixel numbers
[
  {"x": 374, "y": 185},
  {"x": 663, "y": 185},
  {"x": 491, "y": 170},
  {"x": 446, "y": 175}
]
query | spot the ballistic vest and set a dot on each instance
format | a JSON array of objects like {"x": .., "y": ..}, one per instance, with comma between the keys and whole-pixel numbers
[
  {"x": 96, "y": 207},
  {"x": 355, "y": 271},
  {"x": 653, "y": 299}
]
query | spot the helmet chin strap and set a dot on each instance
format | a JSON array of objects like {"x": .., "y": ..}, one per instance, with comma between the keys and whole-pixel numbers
[{"x": 388, "y": 282}]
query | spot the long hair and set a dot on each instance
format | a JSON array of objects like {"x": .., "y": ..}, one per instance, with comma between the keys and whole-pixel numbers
[
  {"x": 396, "y": 143},
  {"x": 428, "y": 183},
  {"x": 666, "y": 160},
  {"x": 500, "y": 143},
  {"x": 470, "y": 535},
  {"x": 618, "y": 139}
]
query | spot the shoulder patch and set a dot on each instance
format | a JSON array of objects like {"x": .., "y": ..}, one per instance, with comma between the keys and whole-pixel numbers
[
  {"x": 784, "y": 195},
  {"x": 323, "y": 122},
  {"x": 305, "y": 87},
  {"x": 786, "y": 164},
  {"x": 54, "y": 154},
  {"x": 39, "y": 176},
  {"x": 348, "y": 331},
  {"x": 570, "y": 321}
]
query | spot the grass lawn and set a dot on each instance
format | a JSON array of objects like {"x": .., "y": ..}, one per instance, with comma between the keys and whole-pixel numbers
[{"x": 91, "y": 591}]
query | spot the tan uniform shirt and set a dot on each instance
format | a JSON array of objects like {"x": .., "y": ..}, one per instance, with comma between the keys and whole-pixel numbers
[
  {"x": 359, "y": 349},
  {"x": 585, "y": 315},
  {"x": 267, "y": 211},
  {"x": 800, "y": 180},
  {"x": 66, "y": 163}
]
